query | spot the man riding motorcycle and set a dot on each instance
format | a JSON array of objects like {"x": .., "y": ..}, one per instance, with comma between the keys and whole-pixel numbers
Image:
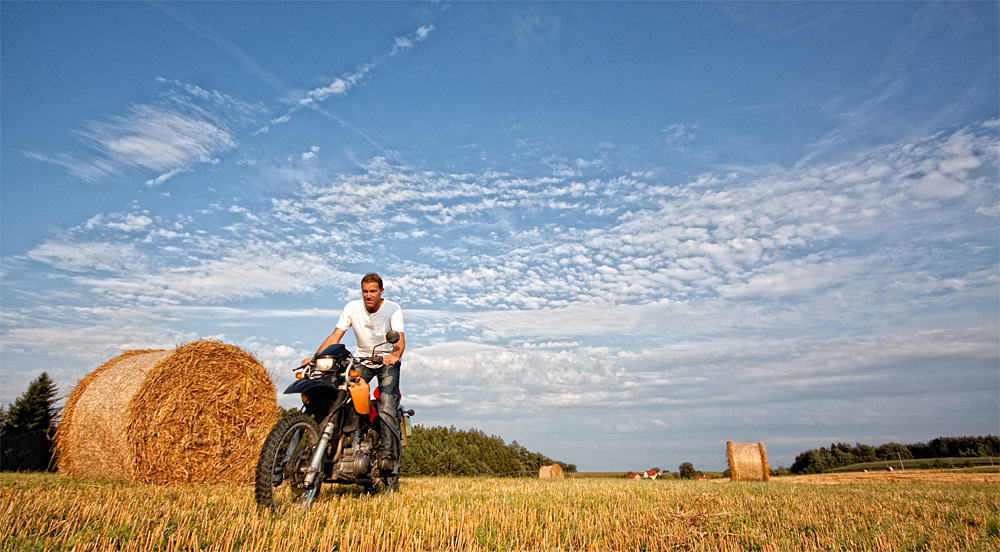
[{"x": 370, "y": 318}]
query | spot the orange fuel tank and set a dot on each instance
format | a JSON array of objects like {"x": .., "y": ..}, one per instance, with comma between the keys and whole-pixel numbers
[{"x": 359, "y": 396}]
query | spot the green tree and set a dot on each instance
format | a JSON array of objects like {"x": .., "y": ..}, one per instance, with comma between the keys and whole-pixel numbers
[
  {"x": 893, "y": 451},
  {"x": 686, "y": 471},
  {"x": 449, "y": 451},
  {"x": 25, "y": 437}
]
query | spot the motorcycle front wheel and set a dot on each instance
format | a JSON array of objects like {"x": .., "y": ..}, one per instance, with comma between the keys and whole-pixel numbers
[{"x": 284, "y": 458}]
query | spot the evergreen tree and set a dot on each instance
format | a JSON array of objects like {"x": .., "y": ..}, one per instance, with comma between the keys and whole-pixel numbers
[{"x": 25, "y": 437}]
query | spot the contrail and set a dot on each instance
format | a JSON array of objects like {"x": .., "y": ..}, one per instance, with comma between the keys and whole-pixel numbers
[
  {"x": 339, "y": 87},
  {"x": 245, "y": 61}
]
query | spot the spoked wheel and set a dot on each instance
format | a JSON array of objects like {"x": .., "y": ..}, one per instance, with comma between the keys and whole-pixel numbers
[{"x": 281, "y": 469}]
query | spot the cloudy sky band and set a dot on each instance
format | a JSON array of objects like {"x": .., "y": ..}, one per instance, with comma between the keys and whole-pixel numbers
[{"x": 782, "y": 257}]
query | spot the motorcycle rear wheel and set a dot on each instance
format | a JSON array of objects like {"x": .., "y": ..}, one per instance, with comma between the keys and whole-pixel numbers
[{"x": 283, "y": 461}]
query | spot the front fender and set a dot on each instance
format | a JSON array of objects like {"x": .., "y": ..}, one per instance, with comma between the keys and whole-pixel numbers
[{"x": 303, "y": 385}]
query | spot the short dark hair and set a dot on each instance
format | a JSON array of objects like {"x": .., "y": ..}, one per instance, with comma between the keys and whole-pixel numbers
[{"x": 372, "y": 277}]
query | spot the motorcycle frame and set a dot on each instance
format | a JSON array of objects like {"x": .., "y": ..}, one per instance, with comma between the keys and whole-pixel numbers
[
  {"x": 337, "y": 379},
  {"x": 339, "y": 415}
]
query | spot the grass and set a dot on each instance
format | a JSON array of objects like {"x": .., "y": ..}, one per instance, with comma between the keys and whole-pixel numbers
[{"x": 919, "y": 510}]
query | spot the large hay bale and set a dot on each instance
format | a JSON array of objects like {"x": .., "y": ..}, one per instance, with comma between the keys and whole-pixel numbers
[
  {"x": 196, "y": 414},
  {"x": 554, "y": 471},
  {"x": 747, "y": 462}
]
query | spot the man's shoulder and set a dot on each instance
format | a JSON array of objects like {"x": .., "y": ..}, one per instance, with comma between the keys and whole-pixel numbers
[{"x": 354, "y": 307}]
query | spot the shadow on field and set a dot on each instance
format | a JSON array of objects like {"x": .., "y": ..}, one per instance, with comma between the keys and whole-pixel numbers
[{"x": 345, "y": 490}]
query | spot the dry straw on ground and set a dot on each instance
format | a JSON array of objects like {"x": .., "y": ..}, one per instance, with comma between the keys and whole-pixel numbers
[
  {"x": 198, "y": 414},
  {"x": 554, "y": 471},
  {"x": 747, "y": 462}
]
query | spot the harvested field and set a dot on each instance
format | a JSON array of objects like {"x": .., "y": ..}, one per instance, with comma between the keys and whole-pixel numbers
[
  {"x": 932, "y": 477},
  {"x": 920, "y": 511}
]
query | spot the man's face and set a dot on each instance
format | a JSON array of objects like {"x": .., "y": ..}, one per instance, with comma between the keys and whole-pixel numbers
[{"x": 372, "y": 295}]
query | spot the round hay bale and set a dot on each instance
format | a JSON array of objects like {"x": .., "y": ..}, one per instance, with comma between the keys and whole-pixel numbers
[
  {"x": 197, "y": 414},
  {"x": 554, "y": 471},
  {"x": 81, "y": 448},
  {"x": 747, "y": 462}
]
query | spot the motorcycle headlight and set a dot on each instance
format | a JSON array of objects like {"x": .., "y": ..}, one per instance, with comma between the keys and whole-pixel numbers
[{"x": 324, "y": 363}]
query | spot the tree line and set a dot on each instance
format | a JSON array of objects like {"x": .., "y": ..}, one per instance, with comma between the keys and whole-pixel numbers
[
  {"x": 450, "y": 451},
  {"x": 842, "y": 454},
  {"x": 27, "y": 426}
]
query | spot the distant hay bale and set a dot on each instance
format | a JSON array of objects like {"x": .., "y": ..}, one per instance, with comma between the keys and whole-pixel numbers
[
  {"x": 196, "y": 414},
  {"x": 747, "y": 462},
  {"x": 554, "y": 471}
]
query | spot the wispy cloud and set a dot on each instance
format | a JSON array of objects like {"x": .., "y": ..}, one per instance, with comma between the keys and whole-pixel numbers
[
  {"x": 157, "y": 139},
  {"x": 791, "y": 286},
  {"x": 343, "y": 84},
  {"x": 340, "y": 86},
  {"x": 186, "y": 126},
  {"x": 614, "y": 241}
]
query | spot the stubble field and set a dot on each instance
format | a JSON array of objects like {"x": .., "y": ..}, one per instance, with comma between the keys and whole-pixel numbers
[{"x": 875, "y": 511}]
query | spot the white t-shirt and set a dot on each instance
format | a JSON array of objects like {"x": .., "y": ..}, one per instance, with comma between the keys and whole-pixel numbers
[{"x": 370, "y": 329}]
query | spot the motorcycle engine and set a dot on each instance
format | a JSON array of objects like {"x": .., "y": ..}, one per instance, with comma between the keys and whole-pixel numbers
[
  {"x": 362, "y": 459},
  {"x": 356, "y": 460}
]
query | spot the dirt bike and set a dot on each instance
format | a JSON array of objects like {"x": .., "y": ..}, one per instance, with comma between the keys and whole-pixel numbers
[{"x": 332, "y": 439}]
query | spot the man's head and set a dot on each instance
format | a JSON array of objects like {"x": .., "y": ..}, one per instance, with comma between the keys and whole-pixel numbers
[{"x": 371, "y": 291}]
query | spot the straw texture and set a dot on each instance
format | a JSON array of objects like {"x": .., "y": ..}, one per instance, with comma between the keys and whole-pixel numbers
[
  {"x": 747, "y": 462},
  {"x": 554, "y": 471},
  {"x": 196, "y": 414}
]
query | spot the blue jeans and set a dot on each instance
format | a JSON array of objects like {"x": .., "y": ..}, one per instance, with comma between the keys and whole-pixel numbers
[{"x": 387, "y": 406}]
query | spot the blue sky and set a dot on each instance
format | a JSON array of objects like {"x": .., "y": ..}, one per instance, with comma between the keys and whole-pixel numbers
[{"x": 622, "y": 233}]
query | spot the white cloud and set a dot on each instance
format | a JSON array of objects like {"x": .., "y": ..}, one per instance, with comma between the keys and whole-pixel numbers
[
  {"x": 185, "y": 127},
  {"x": 252, "y": 271},
  {"x": 722, "y": 235},
  {"x": 604, "y": 291},
  {"x": 340, "y": 86},
  {"x": 88, "y": 256},
  {"x": 164, "y": 177},
  {"x": 311, "y": 154},
  {"x": 404, "y": 43},
  {"x": 679, "y": 136},
  {"x": 796, "y": 277},
  {"x": 131, "y": 223}
]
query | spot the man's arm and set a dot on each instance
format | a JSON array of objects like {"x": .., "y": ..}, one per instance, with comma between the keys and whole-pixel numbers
[
  {"x": 397, "y": 350},
  {"x": 331, "y": 340}
]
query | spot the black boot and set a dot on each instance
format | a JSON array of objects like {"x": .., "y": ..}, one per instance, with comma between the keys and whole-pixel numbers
[{"x": 385, "y": 463}]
